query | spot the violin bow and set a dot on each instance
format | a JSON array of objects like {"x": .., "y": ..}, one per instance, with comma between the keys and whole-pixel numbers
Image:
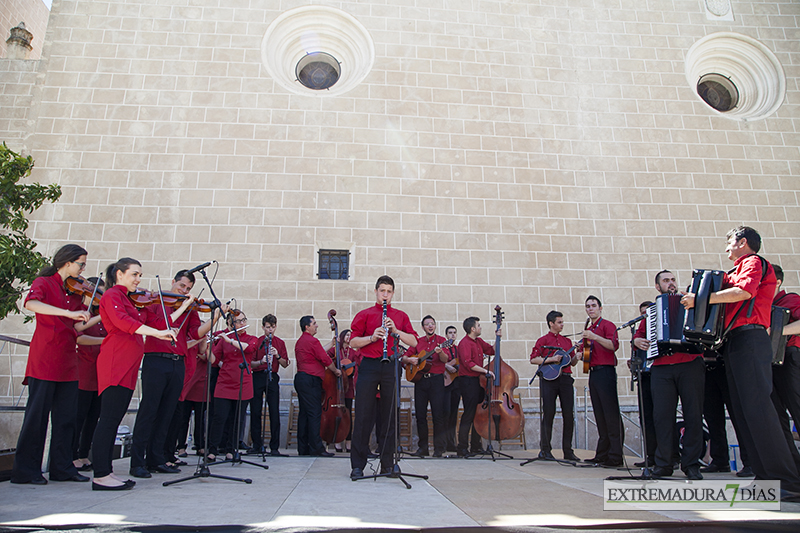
[
  {"x": 164, "y": 307},
  {"x": 94, "y": 292},
  {"x": 187, "y": 314}
]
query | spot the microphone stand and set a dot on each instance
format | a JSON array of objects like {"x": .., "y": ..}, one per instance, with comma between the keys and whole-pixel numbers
[{"x": 203, "y": 470}]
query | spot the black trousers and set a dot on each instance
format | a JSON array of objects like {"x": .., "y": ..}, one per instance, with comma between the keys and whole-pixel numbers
[
  {"x": 374, "y": 376},
  {"x": 198, "y": 435},
  {"x": 748, "y": 364},
  {"x": 431, "y": 390},
  {"x": 471, "y": 394},
  {"x": 178, "y": 431},
  {"x": 222, "y": 433},
  {"x": 716, "y": 399},
  {"x": 162, "y": 382},
  {"x": 669, "y": 382},
  {"x": 263, "y": 386},
  {"x": 85, "y": 421},
  {"x": 309, "y": 396},
  {"x": 646, "y": 415},
  {"x": 56, "y": 401},
  {"x": 561, "y": 388},
  {"x": 114, "y": 404},
  {"x": 786, "y": 395},
  {"x": 605, "y": 403},
  {"x": 453, "y": 396}
]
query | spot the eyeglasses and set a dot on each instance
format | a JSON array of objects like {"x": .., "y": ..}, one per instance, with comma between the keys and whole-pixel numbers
[
  {"x": 82, "y": 265},
  {"x": 240, "y": 321}
]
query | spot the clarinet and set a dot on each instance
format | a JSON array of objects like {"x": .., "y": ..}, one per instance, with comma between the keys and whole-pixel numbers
[
  {"x": 269, "y": 359},
  {"x": 386, "y": 336}
]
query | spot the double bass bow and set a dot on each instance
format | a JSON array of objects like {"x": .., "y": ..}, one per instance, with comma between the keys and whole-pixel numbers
[
  {"x": 499, "y": 417},
  {"x": 335, "y": 421}
]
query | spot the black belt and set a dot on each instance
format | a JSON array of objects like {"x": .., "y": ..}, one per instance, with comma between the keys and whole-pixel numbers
[
  {"x": 165, "y": 355},
  {"x": 748, "y": 327}
]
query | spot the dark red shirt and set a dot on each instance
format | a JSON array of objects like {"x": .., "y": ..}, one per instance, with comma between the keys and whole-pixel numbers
[
  {"x": 791, "y": 301},
  {"x": 87, "y": 358},
  {"x": 228, "y": 356},
  {"x": 470, "y": 353},
  {"x": 311, "y": 357},
  {"x": 747, "y": 276},
  {"x": 428, "y": 345},
  {"x": 368, "y": 320},
  {"x": 122, "y": 350},
  {"x": 673, "y": 359},
  {"x": 53, "y": 355},
  {"x": 601, "y": 356},
  {"x": 263, "y": 344},
  {"x": 551, "y": 339}
]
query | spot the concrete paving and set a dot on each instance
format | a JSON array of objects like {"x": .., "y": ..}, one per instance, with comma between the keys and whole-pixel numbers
[{"x": 310, "y": 493}]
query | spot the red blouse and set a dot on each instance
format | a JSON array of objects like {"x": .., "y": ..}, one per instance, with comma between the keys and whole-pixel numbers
[
  {"x": 229, "y": 356},
  {"x": 122, "y": 350},
  {"x": 53, "y": 355},
  {"x": 87, "y": 359}
]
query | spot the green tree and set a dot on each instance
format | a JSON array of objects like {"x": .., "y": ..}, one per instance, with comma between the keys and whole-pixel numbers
[{"x": 19, "y": 261}]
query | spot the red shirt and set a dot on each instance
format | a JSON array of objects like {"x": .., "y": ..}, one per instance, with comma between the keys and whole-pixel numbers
[
  {"x": 428, "y": 345},
  {"x": 53, "y": 355},
  {"x": 190, "y": 325},
  {"x": 599, "y": 354},
  {"x": 368, "y": 320},
  {"x": 747, "y": 276},
  {"x": 195, "y": 389},
  {"x": 551, "y": 339},
  {"x": 791, "y": 301},
  {"x": 311, "y": 357},
  {"x": 87, "y": 359},
  {"x": 122, "y": 349},
  {"x": 190, "y": 362},
  {"x": 673, "y": 359},
  {"x": 278, "y": 344},
  {"x": 228, "y": 357},
  {"x": 470, "y": 353}
]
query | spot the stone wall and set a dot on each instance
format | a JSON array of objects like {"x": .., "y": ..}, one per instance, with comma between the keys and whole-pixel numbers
[{"x": 33, "y": 13}]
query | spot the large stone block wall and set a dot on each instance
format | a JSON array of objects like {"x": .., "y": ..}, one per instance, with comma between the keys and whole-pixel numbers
[
  {"x": 521, "y": 153},
  {"x": 33, "y": 13}
]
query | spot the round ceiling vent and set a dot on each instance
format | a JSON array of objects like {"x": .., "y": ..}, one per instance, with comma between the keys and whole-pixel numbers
[
  {"x": 317, "y": 50},
  {"x": 736, "y": 76}
]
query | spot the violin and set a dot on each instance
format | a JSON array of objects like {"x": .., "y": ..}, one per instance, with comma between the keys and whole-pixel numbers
[
  {"x": 83, "y": 287},
  {"x": 499, "y": 417},
  {"x": 335, "y": 421},
  {"x": 144, "y": 298}
]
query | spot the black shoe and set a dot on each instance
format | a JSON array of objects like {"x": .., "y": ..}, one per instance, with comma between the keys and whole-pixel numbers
[
  {"x": 594, "y": 460},
  {"x": 710, "y": 469},
  {"x": 80, "y": 478},
  {"x": 276, "y": 453},
  {"x": 661, "y": 471},
  {"x": 641, "y": 464},
  {"x": 693, "y": 473},
  {"x": 612, "y": 463},
  {"x": 178, "y": 462},
  {"x": 243, "y": 446},
  {"x": 386, "y": 470},
  {"x": 437, "y": 454},
  {"x": 789, "y": 496},
  {"x": 164, "y": 469},
  {"x": 325, "y": 454},
  {"x": 124, "y": 486},
  {"x": 463, "y": 453},
  {"x": 547, "y": 456},
  {"x": 139, "y": 471},
  {"x": 356, "y": 473},
  {"x": 35, "y": 481},
  {"x": 477, "y": 451},
  {"x": 85, "y": 468},
  {"x": 745, "y": 472},
  {"x": 572, "y": 457},
  {"x": 420, "y": 453}
]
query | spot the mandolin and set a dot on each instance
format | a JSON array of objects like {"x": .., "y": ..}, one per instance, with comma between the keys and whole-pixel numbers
[{"x": 414, "y": 372}]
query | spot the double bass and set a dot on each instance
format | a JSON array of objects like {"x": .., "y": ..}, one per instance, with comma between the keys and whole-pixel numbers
[
  {"x": 499, "y": 417},
  {"x": 335, "y": 422}
]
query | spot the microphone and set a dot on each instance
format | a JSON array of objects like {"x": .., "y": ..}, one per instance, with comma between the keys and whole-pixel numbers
[
  {"x": 199, "y": 267},
  {"x": 632, "y": 322}
]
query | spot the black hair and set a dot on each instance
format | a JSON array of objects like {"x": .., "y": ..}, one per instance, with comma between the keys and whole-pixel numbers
[
  {"x": 66, "y": 254},
  {"x": 552, "y": 315},
  {"x": 778, "y": 272},
  {"x": 749, "y": 234},
  {"x": 305, "y": 322},
  {"x": 269, "y": 319},
  {"x": 342, "y": 335},
  {"x": 94, "y": 279},
  {"x": 122, "y": 265},
  {"x": 448, "y": 328},
  {"x": 662, "y": 272},
  {"x": 595, "y": 298},
  {"x": 426, "y": 317},
  {"x": 184, "y": 274},
  {"x": 646, "y": 303},
  {"x": 469, "y": 323},
  {"x": 384, "y": 280}
]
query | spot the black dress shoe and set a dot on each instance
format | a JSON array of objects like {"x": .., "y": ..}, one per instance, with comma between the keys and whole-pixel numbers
[
  {"x": 710, "y": 469},
  {"x": 386, "y": 470},
  {"x": 124, "y": 486},
  {"x": 547, "y": 456},
  {"x": 420, "y": 453},
  {"x": 661, "y": 471},
  {"x": 164, "y": 469},
  {"x": 138, "y": 471},
  {"x": 438, "y": 454},
  {"x": 85, "y": 468},
  {"x": 276, "y": 453},
  {"x": 179, "y": 463},
  {"x": 477, "y": 451},
  {"x": 745, "y": 472},
  {"x": 572, "y": 457},
  {"x": 325, "y": 454},
  {"x": 594, "y": 460},
  {"x": 693, "y": 473},
  {"x": 611, "y": 463},
  {"x": 77, "y": 477},
  {"x": 35, "y": 481},
  {"x": 789, "y": 496},
  {"x": 463, "y": 453},
  {"x": 642, "y": 464},
  {"x": 356, "y": 473}
]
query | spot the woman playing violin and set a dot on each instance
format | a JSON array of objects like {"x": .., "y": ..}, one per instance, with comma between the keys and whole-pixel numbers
[
  {"x": 118, "y": 364},
  {"x": 52, "y": 372}
]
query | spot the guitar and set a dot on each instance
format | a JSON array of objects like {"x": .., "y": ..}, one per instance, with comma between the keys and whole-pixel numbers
[
  {"x": 551, "y": 371},
  {"x": 414, "y": 372},
  {"x": 450, "y": 377}
]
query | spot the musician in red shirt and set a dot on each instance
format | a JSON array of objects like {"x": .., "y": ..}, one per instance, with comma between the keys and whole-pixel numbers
[
  {"x": 560, "y": 387},
  {"x": 52, "y": 372},
  {"x": 471, "y": 350},
  {"x": 672, "y": 376},
  {"x": 748, "y": 292},
  {"x": 368, "y": 333},
  {"x": 786, "y": 376},
  {"x": 312, "y": 360},
  {"x": 270, "y": 356},
  {"x": 453, "y": 394},
  {"x": 604, "y": 342},
  {"x": 118, "y": 365},
  {"x": 429, "y": 388}
]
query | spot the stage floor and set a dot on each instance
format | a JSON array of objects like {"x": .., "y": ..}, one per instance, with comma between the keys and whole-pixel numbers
[{"x": 302, "y": 493}]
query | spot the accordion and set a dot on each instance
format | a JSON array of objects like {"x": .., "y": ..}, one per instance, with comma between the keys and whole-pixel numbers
[
  {"x": 666, "y": 320},
  {"x": 778, "y": 320},
  {"x": 705, "y": 321}
]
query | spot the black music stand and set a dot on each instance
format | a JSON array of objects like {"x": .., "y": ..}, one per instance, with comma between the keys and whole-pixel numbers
[{"x": 203, "y": 470}]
